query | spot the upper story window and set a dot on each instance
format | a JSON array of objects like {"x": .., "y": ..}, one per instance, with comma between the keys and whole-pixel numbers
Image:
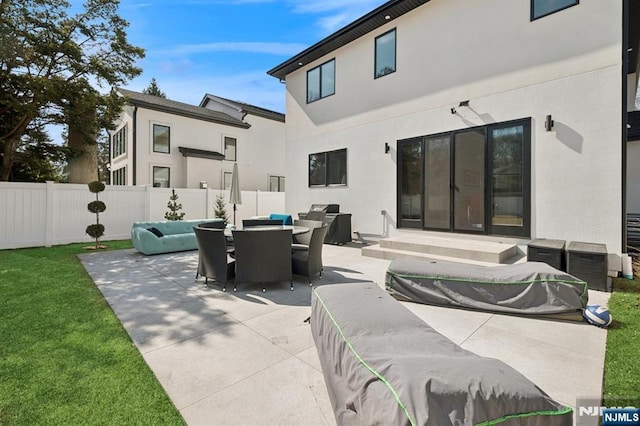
[
  {"x": 540, "y": 8},
  {"x": 119, "y": 142},
  {"x": 230, "y": 145},
  {"x": 276, "y": 183},
  {"x": 386, "y": 53},
  {"x": 321, "y": 81},
  {"x": 328, "y": 168},
  {"x": 161, "y": 138}
]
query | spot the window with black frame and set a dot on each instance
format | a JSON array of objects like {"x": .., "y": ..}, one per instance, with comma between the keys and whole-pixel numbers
[
  {"x": 542, "y": 8},
  {"x": 385, "y": 54},
  {"x": 119, "y": 142},
  {"x": 161, "y": 138},
  {"x": 321, "y": 81},
  {"x": 328, "y": 168}
]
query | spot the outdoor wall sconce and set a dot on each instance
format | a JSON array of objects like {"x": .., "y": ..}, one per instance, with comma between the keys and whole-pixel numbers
[
  {"x": 453, "y": 111},
  {"x": 386, "y": 147},
  {"x": 548, "y": 124}
]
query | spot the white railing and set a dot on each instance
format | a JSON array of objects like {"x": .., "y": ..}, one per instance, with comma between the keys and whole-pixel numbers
[{"x": 46, "y": 214}]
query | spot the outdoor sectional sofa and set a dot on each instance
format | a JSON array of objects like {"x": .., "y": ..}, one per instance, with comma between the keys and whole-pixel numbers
[
  {"x": 384, "y": 365},
  {"x": 165, "y": 236}
]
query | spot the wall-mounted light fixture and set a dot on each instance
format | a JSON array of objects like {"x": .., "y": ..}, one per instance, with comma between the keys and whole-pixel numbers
[
  {"x": 386, "y": 147},
  {"x": 453, "y": 111},
  {"x": 548, "y": 123}
]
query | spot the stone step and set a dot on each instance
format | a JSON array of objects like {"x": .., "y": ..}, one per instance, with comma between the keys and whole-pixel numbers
[
  {"x": 468, "y": 249},
  {"x": 393, "y": 254}
]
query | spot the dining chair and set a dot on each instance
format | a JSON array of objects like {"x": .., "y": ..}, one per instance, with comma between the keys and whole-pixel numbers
[
  {"x": 308, "y": 262},
  {"x": 305, "y": 238},
  {"x": 214, "y": 224},
  {"x": 260, "y": 222},
  {"x": 213, "y": 256},
  {"x": 263, "y": 256}
]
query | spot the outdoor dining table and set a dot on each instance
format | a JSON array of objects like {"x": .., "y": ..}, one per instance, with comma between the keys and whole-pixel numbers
[{"x": 295, "y": 230}]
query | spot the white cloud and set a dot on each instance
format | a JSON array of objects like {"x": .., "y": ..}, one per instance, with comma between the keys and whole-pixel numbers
[
  {"x": 335, "y": 13},
  {"x": 280, "y": 49}
]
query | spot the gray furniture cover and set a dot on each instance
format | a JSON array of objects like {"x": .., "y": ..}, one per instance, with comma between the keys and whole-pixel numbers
[
  {"x": 383, "y": 365},
  {"x": 532, "y": 288}
]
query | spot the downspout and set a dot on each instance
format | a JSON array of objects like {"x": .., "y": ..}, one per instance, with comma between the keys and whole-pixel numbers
[
  {"x": 135, "y": 143},
  {"x": 625, "y": 66}
]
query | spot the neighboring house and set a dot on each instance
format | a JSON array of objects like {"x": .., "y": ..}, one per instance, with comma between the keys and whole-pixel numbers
[
  {"x": 165, "y": 143},
  {"x": 497, "y": 118}
]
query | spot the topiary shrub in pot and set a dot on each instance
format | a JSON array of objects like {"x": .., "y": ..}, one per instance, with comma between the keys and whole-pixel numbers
[{"x": 96, "y": 230}]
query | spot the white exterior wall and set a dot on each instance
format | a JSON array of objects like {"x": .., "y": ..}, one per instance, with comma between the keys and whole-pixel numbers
[
  {"x": 260, "y": 150},
  {"x": 566, "y": 64}
]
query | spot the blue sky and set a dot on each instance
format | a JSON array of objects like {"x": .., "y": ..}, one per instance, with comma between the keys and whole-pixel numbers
[{"x": 225, "y": 47}]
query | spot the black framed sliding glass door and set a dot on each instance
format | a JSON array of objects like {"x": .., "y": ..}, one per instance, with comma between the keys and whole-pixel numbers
[{"x": 474, "y": 180}]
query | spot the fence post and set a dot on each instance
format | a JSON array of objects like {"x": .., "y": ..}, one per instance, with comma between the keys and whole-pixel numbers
[
  {"x": 257, "y": 201},
  {"x": 206, "y": 203},
  {"x": 49, "y": 214}
]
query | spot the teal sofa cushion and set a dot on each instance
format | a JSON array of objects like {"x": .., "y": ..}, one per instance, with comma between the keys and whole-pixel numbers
[{"x": 176, "y": 236}]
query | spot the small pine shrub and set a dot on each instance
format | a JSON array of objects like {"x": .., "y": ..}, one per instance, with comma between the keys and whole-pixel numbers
[{"x": 174, "y": 208}]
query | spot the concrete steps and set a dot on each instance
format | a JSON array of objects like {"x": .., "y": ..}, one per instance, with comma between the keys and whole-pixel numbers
[{"x": 428, "y": 247}]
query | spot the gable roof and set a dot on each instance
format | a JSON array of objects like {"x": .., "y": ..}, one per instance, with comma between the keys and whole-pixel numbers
[
  {"x": 358, "y": 28},
  {"x": 178, "y": 108},
  {"x": 244, "y": 107}
]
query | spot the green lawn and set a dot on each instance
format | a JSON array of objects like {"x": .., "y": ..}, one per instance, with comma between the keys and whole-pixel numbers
[
  {"x": 64, "y": 357},
  {"x": 622, "y": 363}
]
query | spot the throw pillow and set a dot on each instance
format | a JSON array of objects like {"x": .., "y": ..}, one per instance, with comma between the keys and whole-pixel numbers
[{"x": 156, "y": 232}]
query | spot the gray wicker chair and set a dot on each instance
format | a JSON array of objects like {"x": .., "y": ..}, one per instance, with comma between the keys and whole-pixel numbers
[
  {"x": 305, "y": 238},
  {"x": 308, "y": 262},
  {"x": 263, "y": 256},
  {"x": 213, "y": 260},
  {"x": 260, "y": 222},
  {"x": 214, "y": 224}
]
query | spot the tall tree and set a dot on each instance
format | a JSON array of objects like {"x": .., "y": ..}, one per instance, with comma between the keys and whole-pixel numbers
[
  {"x": 48, "y": 57},
  {"x": 154, "y": 89}
]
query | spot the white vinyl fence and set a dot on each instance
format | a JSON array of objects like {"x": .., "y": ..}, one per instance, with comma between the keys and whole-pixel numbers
[{"x": 46, "y": 214}]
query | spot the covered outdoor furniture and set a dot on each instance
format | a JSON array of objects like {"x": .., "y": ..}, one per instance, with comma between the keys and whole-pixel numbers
[
  {"x": 285, "y": 219},
  {"x": 339, "y": 231},
  {"x": 532, "y": 288},
  {"x": 263, "y": 256},
  {"x": 164, "y": 236},
  {"x": 383, "y": 365},
  {"x": 307, "y": 259},
  {"x": 213, "y": 256},
  {"x": 214, "y": 224}
]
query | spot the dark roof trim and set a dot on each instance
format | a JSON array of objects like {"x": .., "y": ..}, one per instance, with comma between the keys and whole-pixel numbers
[
  {"x": 200, "y": 153},
  {"x": 344, "y": 36},
  {"x": 246, "y": 108},
  {"x": 169, "y": 106}
]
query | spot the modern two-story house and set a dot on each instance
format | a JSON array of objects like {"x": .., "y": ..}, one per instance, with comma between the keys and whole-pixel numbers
[
  {"x": 165, "y": 143},
  {"x": 499, "y": 118}
]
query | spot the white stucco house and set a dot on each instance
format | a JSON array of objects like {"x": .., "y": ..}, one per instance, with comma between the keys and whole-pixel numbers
[
  {"x": 499, "y": 118},
  {"x": 165, "y": 143}
]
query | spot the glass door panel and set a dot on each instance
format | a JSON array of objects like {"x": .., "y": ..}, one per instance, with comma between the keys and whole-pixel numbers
[
  {"x": 437, "y": 196},
  {"x": 410, "y": 178},
  {"x": 507, "y": 169},
  {"x": 468, "y": 185}
]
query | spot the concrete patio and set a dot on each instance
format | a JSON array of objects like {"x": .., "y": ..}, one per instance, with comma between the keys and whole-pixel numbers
[{"x": 249, "y": 358}]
